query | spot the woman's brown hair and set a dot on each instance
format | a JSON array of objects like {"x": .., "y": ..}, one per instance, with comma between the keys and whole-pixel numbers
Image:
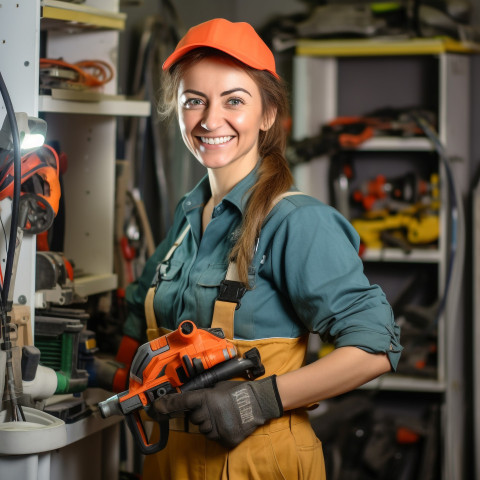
[{"x": 274, "y": 176}]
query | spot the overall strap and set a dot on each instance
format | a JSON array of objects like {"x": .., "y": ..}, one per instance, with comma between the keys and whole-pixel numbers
[
  {"x": 232, "y": 291},
  {"x": 152, "y": 327}
]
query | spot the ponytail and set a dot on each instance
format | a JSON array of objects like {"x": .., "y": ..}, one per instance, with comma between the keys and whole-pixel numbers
[{"x": 274, "y": 176}]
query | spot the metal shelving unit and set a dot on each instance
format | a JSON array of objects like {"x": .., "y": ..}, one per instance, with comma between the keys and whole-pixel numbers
[
  {"x": 85, "y": 125},
  {"x": 330, "y": 77}
]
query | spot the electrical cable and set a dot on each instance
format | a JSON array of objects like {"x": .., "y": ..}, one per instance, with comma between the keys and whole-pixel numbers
[
  {"x": 101, "y": 72},
  {"x": 17, "y": 412},
  {"x": 16, "y": 190},
  {"x": 456, "y": 210},
  {"x": 6, "y": 243},
  {"x": 453, "y": 277}
]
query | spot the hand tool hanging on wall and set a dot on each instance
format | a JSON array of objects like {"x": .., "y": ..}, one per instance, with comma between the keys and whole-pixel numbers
[{"x": 150, "y": 140}]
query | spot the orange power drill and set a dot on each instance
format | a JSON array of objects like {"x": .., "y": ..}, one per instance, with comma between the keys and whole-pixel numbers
[{"x": 188, "y": 358}]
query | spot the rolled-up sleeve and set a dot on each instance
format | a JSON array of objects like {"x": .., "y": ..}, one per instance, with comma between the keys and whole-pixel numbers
[{"x": 316, "y": 251}]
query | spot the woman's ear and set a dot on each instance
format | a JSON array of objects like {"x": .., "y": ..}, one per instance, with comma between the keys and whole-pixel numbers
[{"x": 268, "y": 119}]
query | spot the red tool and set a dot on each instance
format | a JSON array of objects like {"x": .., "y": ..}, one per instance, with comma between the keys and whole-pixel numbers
[
  {"x": 40, "y": 189},
  {"x": 407, "y": 189},
  {"x": 188, "y": 358}
]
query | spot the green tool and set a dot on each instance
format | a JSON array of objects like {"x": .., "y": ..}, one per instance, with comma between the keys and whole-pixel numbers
[{"x": 58, "y": 342}]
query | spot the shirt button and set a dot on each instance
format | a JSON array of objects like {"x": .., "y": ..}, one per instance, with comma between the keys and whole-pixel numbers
[{"x": 188, "y": 202}]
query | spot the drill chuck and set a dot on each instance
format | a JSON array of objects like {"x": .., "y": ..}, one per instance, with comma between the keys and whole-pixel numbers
[{"x": 109, "y": 407}]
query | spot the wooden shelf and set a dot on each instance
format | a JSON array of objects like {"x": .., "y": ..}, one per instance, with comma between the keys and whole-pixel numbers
[
  {"x": 382, "y": 46},
  {"x": 404, "y": 144},
  {"x": 115, "y": 107},
  {"x": 398, "y": 382},
  {"x": 56, "y": 14},
  {"x": 93, "y": 284},
  {"x": 397, "y": 255}
]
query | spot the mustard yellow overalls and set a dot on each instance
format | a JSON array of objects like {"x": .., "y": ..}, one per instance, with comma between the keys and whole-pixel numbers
[{"x": 284, "y": 448}]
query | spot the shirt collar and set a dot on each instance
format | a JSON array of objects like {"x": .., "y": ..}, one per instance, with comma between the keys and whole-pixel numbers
[
  {"x": 198, "y": 196},
  {"x": 238, "y": 196},
  {"x": 240, "y": 193}
]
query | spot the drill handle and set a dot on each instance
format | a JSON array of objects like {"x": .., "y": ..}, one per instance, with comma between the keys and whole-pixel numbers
[
  {"x": 135, "y": 424},
  {"x": 249, "y": 365}
]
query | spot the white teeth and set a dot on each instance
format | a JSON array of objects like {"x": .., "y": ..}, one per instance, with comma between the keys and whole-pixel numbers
[{"x": 216, "y": 140}]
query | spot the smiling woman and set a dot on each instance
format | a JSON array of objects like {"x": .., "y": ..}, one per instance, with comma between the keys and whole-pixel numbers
[{"x": 250, "y": 254}]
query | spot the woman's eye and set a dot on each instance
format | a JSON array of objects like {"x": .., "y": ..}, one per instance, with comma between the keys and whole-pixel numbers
[
  {"x": 235, "y": 101},
  {"x": 193, "y": 102}
]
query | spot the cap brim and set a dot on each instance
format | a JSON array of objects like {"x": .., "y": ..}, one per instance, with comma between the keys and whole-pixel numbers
[{"x": 180, "y": 52}]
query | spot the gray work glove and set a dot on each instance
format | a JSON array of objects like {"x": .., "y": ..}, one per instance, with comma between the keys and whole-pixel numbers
[{"x": 228, "y": 412}]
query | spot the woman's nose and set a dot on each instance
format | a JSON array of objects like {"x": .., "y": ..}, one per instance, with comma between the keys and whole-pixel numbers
[{"x": 212, "y": 118}]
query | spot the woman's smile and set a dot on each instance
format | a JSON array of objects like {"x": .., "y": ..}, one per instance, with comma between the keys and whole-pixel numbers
[{"x": 216, "y": 140}]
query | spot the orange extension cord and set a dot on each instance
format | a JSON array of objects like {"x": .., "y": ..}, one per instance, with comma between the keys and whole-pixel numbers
[{"x": 91, "y": 73}]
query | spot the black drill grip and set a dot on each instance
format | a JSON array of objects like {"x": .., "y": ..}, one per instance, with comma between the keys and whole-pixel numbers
[{"x": 250, "y": 364}]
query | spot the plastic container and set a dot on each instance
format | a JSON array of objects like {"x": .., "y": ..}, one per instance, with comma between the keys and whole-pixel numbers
[{"x": 25, "y": 446}]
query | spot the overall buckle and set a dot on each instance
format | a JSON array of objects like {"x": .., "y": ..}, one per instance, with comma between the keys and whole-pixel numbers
[{"x": 231, "y": 291}]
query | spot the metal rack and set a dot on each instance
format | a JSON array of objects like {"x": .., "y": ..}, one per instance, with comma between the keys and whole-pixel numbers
[{"x": 330, "y": 77}]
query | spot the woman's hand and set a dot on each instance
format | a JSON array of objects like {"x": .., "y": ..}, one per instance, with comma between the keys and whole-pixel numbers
[{"x": 230, "y": 411}]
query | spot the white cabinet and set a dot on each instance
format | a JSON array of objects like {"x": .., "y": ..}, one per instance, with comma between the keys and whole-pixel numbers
[
  {"x": 351, "y": 78},
  {"x": 85, "y": 130}
]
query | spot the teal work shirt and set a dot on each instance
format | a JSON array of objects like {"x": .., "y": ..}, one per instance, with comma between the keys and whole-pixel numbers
[{"x": 306, "y": 275}]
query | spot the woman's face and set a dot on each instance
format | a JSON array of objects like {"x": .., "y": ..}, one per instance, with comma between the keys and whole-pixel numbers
[{"x": 220, "y": 115}]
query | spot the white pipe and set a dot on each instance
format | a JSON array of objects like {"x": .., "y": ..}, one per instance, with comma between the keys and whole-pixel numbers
[{"x": 43, "y": 385}]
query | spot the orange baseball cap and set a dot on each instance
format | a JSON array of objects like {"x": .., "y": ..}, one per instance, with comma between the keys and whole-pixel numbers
[{"x": 238, "y": 39}]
